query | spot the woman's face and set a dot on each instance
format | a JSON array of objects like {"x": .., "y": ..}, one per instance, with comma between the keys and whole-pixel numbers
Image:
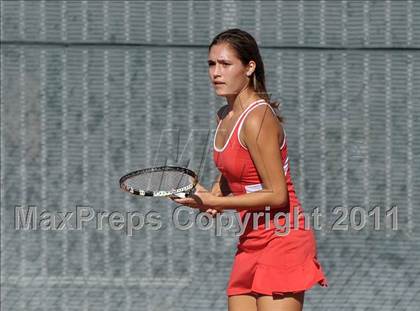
[{"x": 227, "y": 74}]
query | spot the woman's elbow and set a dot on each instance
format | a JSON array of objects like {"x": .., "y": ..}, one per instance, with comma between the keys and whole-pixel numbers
[{"x": 279, "y": 201}]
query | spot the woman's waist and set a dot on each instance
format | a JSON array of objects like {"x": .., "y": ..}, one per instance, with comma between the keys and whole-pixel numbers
[
  {"x": 254, "y": 238},
  {"x": 262, "y": 217}
]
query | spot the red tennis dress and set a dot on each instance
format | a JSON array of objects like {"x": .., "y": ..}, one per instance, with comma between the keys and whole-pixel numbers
[{"x": 272, "y": 257}]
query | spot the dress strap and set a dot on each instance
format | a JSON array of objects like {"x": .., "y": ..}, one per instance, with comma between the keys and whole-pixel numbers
[
  {"x": 256, "y": 103},
  {"x": 248, "y": 112}
]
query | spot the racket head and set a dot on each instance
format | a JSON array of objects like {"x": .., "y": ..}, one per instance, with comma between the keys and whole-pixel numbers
[{"x": 161, "y": 181}]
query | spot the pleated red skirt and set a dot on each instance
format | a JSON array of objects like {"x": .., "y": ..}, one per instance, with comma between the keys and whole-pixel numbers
[{"x": 285, "y": 264}]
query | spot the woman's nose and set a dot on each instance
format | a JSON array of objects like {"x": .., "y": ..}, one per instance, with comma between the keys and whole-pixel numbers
[{"x": 216, "y": 71}]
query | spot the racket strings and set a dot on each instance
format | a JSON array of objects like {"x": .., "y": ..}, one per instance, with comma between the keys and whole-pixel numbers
[{"x": 159, "y": 181}]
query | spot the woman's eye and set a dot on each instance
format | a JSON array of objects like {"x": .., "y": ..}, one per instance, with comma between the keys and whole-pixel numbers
[{"x": 223, "y": 64}]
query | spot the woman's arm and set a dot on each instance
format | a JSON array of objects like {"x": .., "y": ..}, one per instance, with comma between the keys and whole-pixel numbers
[
  {"x": 261, "y": 134},
  {"x": 218, "y": 190}
]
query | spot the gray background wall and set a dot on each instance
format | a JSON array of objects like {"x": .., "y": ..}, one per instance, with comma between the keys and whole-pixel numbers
[{"x": 87, "y": 87}]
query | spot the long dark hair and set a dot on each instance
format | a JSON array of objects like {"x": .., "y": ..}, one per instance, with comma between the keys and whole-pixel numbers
[{"x": 246, "y": 49}]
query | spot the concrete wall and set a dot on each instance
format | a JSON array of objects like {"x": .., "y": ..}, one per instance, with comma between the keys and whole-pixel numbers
[{"x": 91, "y": 90}]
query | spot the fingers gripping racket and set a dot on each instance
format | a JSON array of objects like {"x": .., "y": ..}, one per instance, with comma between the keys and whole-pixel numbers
[{"x": 162, "y": 181}]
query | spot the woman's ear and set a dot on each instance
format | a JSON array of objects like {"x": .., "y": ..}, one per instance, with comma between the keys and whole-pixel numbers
[{"x": 251, "y": 68}]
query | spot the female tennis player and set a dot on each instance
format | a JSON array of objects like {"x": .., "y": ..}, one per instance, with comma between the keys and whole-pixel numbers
[{"x": 270, "y": 271}]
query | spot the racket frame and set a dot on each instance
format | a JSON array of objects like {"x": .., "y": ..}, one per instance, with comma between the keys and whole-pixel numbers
[{"x": 183, "y": 191}]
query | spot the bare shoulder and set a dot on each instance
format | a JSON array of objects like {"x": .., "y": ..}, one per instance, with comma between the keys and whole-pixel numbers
[
  {"x": 262, "y": 120},
  {"x": 262, "y": 116}
]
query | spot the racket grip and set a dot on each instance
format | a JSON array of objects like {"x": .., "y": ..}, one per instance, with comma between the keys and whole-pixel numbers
[
  {"x": 186, "y": 194},
  {"x": 190, "y": 193},
  {"x": 183, "y": 195}
]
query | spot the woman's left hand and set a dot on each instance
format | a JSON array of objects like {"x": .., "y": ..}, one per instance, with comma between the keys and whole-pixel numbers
[{"x": 201, "y": 199}]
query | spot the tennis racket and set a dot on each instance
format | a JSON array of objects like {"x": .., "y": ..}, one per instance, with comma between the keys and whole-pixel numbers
[{"x": 162, "y": 181}]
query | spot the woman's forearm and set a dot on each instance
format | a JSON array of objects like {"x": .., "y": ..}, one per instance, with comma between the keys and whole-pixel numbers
[{"x": 252, "y": 201}]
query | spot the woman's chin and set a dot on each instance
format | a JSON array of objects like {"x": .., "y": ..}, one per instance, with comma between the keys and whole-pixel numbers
[{"x": 223, "y": 93}]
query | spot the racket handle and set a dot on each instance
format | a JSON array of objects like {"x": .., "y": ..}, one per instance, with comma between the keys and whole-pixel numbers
[
  {"x": 190, "y": 193},
  {"x": 183, "y": 195}
]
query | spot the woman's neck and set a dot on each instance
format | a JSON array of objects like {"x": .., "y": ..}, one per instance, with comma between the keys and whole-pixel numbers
[{"x": 239, "y": 102}]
